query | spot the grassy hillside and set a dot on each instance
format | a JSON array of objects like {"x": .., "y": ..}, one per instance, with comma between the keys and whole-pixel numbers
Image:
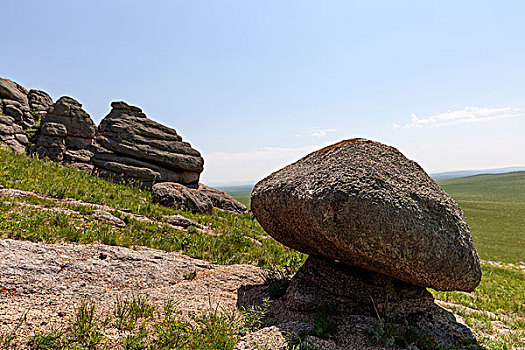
[
  {"x": 495, "y": 310},
  {"x": 494, "y": 206},
  {"x": 19, "y": 220}
]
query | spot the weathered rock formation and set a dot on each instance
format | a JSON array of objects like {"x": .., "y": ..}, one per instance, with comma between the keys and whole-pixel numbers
[
  {"x": 222, "y": 200},
  {"x": 67, "y": 134},
  {"x": 197, "y": 200},
  {"x": 363, "y": 203},
  {"x": 181, "y": 197},
  {"x": 378, "y": 231},
  {"x": 18, "y": 110},
  {"x": 126, "y": 147},
  {"x": 138, "y": 148}
]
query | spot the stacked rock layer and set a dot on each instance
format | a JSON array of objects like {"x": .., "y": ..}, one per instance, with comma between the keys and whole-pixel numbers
[
  {"x": 136, "y": 147},
  {"x": 18, "y": 110},
  {"x": 67, "y": 134}
]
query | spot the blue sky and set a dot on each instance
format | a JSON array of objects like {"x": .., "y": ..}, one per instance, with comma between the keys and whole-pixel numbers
[{"x": 255, "y": 85}]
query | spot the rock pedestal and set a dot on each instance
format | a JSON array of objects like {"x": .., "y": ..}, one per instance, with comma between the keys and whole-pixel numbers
[
  {"x": 362, "y": 292},
  {"x": 378, "y": 230}
]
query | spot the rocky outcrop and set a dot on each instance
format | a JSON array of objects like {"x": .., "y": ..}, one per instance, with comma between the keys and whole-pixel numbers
[
  {"x": 127, "y": 146},
  {"x": 363, "y": 203},
  {"x": 181, "y": 197},
  {"x": 138, "y": 148},
  {"x": 15, "y": 115},
  {"x": 67, "y": 134}
]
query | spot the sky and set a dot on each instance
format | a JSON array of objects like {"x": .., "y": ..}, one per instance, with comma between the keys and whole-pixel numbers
[{"x": 255, "y": 85}]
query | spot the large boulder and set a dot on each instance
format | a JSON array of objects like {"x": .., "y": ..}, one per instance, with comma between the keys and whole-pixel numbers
[
  {"x": 365, "y": 204},
  {"x": 181, "y": 197},
  {"x": 127, "y": 131},
  {"x": 222, "y": 200}
]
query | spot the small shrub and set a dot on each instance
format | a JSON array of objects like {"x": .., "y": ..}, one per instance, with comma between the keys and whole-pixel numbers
[
  {"x": 325, "y": 323},
  {"x": 190, "y": 275},
  {"x": 254, "y": 316},
  {"x": 83, "y": 328}
]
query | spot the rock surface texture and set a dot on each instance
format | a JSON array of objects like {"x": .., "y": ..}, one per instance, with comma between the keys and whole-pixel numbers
[
  {"x": 221, "y": 199},
  {"x": 67, "y": 134},
  {"x": 181, "y": 197},
  {"x": 18, "y": 108},
  {"x": 365, "y": 204},
  {"x": 138, "y": 148}
]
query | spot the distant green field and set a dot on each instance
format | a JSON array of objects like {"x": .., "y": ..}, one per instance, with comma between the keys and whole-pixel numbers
[
  {"x": 494, "y": 206},
  {"x": 240, "y": 193}
]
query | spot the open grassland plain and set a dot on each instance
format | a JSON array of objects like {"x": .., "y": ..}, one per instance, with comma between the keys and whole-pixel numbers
[
  {"x": 495, "y": 310},
  {"x": 494, "y": 206}
]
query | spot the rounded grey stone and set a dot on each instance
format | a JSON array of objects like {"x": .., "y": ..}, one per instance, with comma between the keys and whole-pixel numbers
[{"x": 365, "y": 204}]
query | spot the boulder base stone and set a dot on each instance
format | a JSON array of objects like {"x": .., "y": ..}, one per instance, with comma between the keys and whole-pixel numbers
[
  {"x": 181, "y": 197},
  {"x": 365, "y": 204},
  {"x": 323, "y": 281}
]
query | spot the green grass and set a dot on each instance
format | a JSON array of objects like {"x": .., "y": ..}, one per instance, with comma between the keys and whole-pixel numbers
[
  {"x": 494, "y": 206},
  {"x": 252, "y": 244},
  {"x": 499, "y": 298},
  {"x": 147, "y": 327}
]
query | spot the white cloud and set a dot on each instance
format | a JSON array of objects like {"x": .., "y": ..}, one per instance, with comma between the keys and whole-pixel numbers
[
  {"x": 315, "y": 132},
  {"x": 250, "y": 166},
  {"x": 466, "y": 115}
]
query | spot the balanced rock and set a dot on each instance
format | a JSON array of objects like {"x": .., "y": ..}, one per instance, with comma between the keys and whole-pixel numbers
[
  {"x": 181, "y": 197},
  {"x": 138, "y": 148},
  {"x": 366, "y": 205},
  {"x": 222, "y": 200}
]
